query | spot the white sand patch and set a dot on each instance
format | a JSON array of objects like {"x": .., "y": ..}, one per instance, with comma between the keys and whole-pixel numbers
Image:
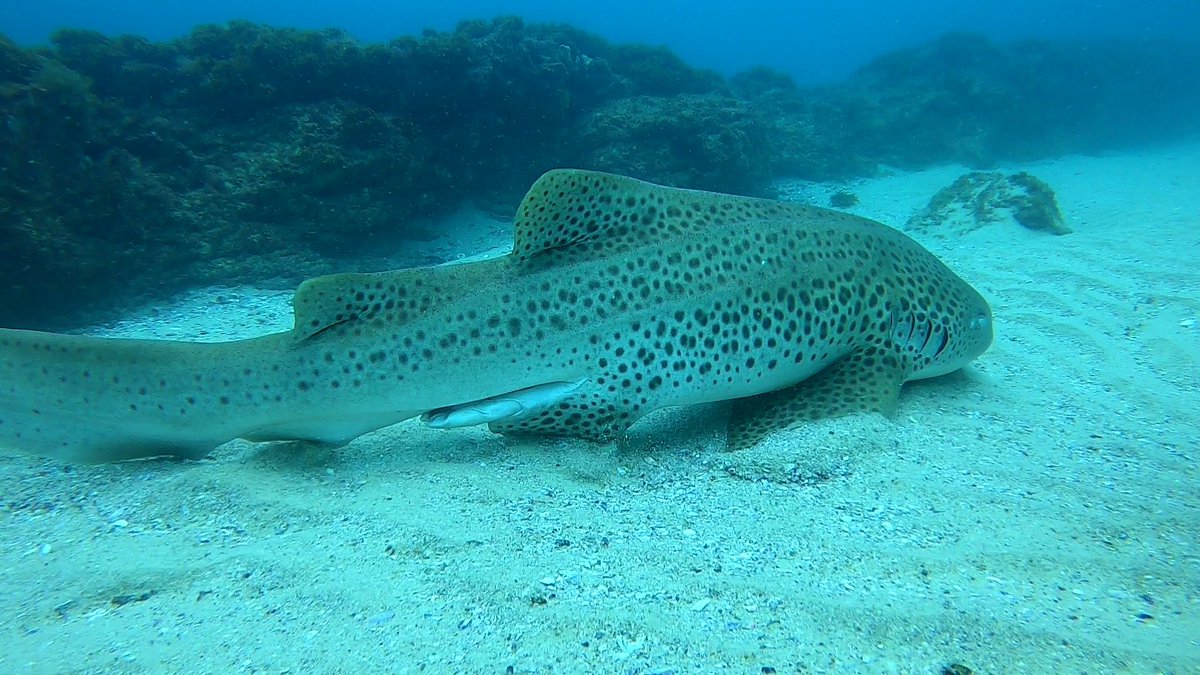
[{"x": 1039, "y": 513}]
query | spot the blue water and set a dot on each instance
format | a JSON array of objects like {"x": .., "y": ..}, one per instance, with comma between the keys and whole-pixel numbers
[{"x": 813, "y": 41}]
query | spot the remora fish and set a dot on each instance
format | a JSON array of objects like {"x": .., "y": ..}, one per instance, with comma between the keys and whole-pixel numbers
[{"x": 619, "y": 297}]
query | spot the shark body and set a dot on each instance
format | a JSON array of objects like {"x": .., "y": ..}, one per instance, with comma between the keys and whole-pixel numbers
[{"x": 619, "y": 297}]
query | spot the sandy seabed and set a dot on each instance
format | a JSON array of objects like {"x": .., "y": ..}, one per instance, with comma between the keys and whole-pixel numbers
[{"x": 1037, "y": 513}]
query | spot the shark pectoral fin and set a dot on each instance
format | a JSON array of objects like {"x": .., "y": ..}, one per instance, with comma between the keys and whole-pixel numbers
[
  {"x": 867, "y": 380},
  {"x": 514, "y": 405}
]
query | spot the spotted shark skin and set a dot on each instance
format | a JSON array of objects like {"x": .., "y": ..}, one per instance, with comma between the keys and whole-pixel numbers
[{"x": 619, "y": 297}]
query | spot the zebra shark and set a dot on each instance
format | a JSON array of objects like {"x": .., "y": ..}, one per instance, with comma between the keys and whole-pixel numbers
[{"x": 619, "y": 297}]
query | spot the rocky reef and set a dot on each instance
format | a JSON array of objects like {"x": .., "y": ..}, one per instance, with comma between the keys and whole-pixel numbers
[{"x": 247, "y": 153}]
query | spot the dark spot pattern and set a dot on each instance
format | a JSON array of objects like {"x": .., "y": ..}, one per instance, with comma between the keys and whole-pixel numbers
[
  {"x": 655, "y": 296},
  {"x": 725, "y": 296}
]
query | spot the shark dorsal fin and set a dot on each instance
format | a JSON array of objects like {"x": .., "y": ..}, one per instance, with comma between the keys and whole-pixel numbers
[
  {"x": 396, "y": 296},
  {"x": 592, "y": 213},
  {"x": 332, "y": 300}
]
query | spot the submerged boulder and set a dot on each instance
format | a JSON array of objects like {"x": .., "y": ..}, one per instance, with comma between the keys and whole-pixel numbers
[{"x": 982, "y": 198}]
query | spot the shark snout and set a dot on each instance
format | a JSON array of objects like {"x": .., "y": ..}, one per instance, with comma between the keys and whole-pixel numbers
[{"x": 980, "y": 332}]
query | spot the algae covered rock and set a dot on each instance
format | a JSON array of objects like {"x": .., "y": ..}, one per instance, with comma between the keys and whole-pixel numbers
[
  {"x": 843, "y": 199},
  {"x": 707, "y": 142},
  {"x": 981, "y": 198},
  {"x": 79, "y": 215}
]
